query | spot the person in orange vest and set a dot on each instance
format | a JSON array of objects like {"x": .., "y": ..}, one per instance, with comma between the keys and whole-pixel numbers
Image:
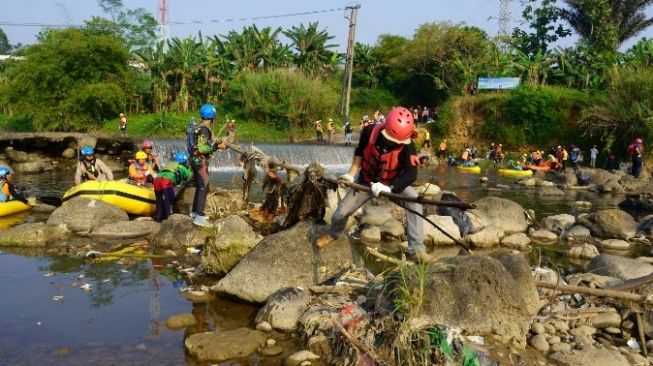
[
  {"x": 152, "y": 158},
  {"x": 386, "y": 161},
  {"x": 140, "y": 171}
]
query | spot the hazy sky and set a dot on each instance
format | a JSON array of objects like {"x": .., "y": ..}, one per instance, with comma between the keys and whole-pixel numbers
[{"x": 375, "y": 16}]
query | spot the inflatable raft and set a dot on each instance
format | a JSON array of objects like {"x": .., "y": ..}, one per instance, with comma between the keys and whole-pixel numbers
[
  {"x": 132, "y": 199},
  {"x": 13, "y": 207},
  {"x": 515, "y": 173},
  {"x": 469, "y": 169}
]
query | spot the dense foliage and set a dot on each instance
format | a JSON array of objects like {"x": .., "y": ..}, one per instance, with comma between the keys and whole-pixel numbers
[{"x": 74, "y": 78}]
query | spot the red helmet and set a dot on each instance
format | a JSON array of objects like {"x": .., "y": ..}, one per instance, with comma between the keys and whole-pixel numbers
[
  {"x": 147, "y": 144},
  {"x": 399, "y": 125},
  {"x": 639, "y": 141}
]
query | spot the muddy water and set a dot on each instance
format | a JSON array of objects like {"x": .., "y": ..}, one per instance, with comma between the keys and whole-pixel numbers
[{"x": 122, "y": 320}]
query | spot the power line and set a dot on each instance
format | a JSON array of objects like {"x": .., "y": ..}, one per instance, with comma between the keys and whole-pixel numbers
[{"x": 228, "y": 20}]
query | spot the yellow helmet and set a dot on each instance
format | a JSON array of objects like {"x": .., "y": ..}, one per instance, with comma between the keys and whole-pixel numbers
[{"x": 141, "y": 155}]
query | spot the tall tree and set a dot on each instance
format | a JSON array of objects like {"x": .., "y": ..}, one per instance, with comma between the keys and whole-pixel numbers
[
  {"x": 544, "y": 27},
  {"x": 5, "y": 47},
  {"x": 186, "y": 60},
  {"x": 137, "y": 27},
  {"x": 606, "y": 24},
  {"x": 311, "y": 47}
]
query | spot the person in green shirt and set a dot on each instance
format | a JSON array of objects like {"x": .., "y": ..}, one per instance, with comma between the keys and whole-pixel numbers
[{"x": 175, "y": 173}]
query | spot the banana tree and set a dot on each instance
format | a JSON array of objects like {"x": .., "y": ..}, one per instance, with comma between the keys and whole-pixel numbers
[
  {"x": 186, "y": 59},
  {"x": 535, "y": 68},
  {"x": 154, "y": 58}
]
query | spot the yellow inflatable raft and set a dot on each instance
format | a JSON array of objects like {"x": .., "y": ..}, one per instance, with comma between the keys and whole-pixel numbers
[
  {"x": 13, "y": 207},
  {"x": 516, "y": 173},
  {"x": 469, "y": 169},
  {"x": 132, "y": 199}
]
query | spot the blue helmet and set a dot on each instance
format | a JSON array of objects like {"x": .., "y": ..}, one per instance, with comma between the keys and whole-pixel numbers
[
  {"x": 4, "y": 171},
  {"x": 181, "y": 157},
  {"x": 87, "y": 150},
  {"x": 207, "y": 111}
]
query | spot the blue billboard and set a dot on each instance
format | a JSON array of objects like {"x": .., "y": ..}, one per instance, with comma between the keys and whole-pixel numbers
[{"x": 497, "y": 83}]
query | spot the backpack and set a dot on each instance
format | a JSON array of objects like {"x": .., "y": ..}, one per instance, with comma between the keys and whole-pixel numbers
[
  {"x": 191, "y": 139},
  {"x": 573, "y": 155}
]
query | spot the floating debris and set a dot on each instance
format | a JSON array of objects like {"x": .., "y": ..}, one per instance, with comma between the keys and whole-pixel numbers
[
  {"x": 57, "y": 298},
  {"x": 49, "y": 274},
  {"x": 86, "y": 287}
]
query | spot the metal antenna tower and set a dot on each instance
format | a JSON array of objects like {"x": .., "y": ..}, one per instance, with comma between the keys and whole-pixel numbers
[
  {"x": 504, "y": 22},
  {"x": 162, "y": 15}
]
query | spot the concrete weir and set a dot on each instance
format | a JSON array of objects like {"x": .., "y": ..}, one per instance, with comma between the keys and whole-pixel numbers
[{"x": 53, "y": 143}]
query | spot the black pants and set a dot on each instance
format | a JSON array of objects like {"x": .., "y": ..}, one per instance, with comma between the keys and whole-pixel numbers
[
  {"x": 201, "y": 175},
  {"x": 165, "y": 198},
  {"x": 637, "y": 166}
]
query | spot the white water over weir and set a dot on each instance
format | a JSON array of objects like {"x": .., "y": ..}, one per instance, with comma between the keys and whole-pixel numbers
[{"x": 333, "y": 157}]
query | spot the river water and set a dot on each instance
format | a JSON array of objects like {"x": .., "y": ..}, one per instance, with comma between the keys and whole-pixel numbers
[{"x": 46, "y": 319}]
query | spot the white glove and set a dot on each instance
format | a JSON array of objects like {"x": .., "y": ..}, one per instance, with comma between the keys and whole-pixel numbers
[
  {"x": 378, "y": 188},
  {"x": 347, "y": 178}
]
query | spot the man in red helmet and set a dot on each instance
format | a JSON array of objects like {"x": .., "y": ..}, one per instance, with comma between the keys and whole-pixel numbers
[{"x": 385, "y": 160}]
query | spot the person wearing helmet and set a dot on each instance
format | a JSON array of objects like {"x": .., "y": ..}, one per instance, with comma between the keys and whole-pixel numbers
[
  {"x": 8, "y": 191},
  {"x": 122, "y": 124},
  {"x": 152, "y": 157},
  {"x": 175, "y": 173},
  {"x": 386, "y": 161},
  {"x": 202, "y": 147},
  {"x": 140, "y": 171},
  {"x": 91, "y": 168}
]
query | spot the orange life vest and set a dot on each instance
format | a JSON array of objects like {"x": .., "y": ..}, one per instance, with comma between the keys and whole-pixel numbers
[{"x": 377, "y": 167}]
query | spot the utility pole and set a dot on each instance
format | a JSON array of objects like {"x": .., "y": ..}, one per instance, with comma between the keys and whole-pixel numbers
[
  {"x": 349, "y": 65},
  {"x": 504, "y": 23},
  {"x": 162, "y": 15}
]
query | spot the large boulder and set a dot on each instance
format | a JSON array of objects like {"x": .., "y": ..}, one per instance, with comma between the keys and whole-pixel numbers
[
  {"x": 610, "y": 224},
  {"x": 83, "y": 215},
  {"x": 178, "y": 232},
  {"x": 506, "y": 214},
  {"x": 284, "y": 308},
  {"x": 376, "y": 215},
  {"x": 233, "y": 239},
  {"x": 286, "y": 259},
  {"x": 550, "y": 191},
  {"x": 126, "y": 230},
  {"x": 224, "y": 344},
  {"x": 34, "y": 235},
  {"x": 590, "y": 356},
  {"x": 16, "y": 156},
  {"x": 518, "y": 241},
  {"x": 619, "y": 267},
  {"x": 577, "y": 233},
  {"x": 219, "y": 202},
  {"x": 479, "y": 294},
  {"x": 559, "y": 223},
  {"x": 432, "y": 235}
]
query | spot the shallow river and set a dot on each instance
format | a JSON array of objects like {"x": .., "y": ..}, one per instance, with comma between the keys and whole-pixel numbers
[{"x": 46, "y": 319}]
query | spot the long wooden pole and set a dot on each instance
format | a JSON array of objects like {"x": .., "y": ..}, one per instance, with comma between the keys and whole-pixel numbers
[
  {"x": 254, "y": 150},
  {"x": 394, "y": 196},
  {"x": 596, "y": 292}
]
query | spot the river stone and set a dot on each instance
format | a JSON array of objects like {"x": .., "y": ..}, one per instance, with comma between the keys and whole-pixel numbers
[
  {"x": 371, "y": 234},
  {"x": 519, "y": 241},
  {"x": 590, "y": 356},
  {"x": 477, "y": 220},
  {"x": 392, "y": 228},
  {"x": 539, "y": 343},
  {"x": 582, "y": 204},
  {"x": 506, "y": 214},
  {"x": 34, "y": 235},
  {"x": 232, "y": 238},
  {"x": 286, "y": 259},
  {"x": 86, "y": 140},
  {"x": 272, "y": 351},
  {"x": 615, "y": 244},
  {"x": 544, "y": 183},
  {"x": 224, "y": 344},
  {"x": 619, "y": 267},
  {"x": 577, "y": 233},
  {"x": 219, "y": 202},
  {"x": 610, "y": 223},
  {"x": 16, "y": 156},
  {"x": 605, "y": 320},
  {"x": 479, "y": 295},
  {"x": 428, "y": 189},
  {"x": 178, "y": 232},
  {"x": 488, "y": 237},
  {"x": 180, "y": 321},
  {"x": 435, "y": 236},
  {"x": 126, "y": 230},
  {"x": 31, "y": 167},
  {"x": 298, "y": 358},
  {"x": 82, "y": 215},
  {"x": 550, "y": 191},
  {"x": 584, "y": 251},
  {"x": 543, "y": 235},
  {"x": 69, "y": 154},
  {"x": 284, "y": 308},
  {"x": 559, "y": 223},
  {"x": 376, "y": 215},
  {"x": 611, "y": 186},
  {"x": 646, "y": 226}
]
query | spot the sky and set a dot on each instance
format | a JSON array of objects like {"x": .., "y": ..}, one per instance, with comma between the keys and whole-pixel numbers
[{"x": 375, "y": 17}]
